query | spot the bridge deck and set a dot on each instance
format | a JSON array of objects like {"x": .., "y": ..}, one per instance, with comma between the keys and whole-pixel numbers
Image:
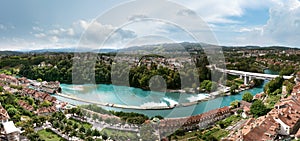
[{"x": 252, "y": 74}]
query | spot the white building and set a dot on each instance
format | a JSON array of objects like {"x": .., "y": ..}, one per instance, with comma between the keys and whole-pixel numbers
[{"x": 11, "y": 132}]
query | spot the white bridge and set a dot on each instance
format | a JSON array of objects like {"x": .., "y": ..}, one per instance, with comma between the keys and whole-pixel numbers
[{"x": 248, "y": 76}]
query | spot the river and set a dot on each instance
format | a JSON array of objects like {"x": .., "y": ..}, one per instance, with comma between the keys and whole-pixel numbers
[{"x": 137, "y": 97}]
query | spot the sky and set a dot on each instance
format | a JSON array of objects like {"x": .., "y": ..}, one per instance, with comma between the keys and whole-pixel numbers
[{"x": 31, "y": 24}]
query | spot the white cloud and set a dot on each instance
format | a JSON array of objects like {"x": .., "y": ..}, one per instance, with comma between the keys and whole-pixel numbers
[
  {"x": 282, "y": 28},
  {"x": 284, "y": 23},
  {"x": 54, "y": 39},
  {"x": 36, "y": 28},
  {"x": 219, "y": 11},
  {"x": 40, "y": 35},
  {"x": 96, "y": 33}
]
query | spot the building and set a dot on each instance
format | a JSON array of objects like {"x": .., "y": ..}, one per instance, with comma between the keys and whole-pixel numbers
[
  {"x": 283, "y": 120},
  {"x": 8, "y": 129},
  {"x": 245, "y": 106},
  {"x": 194, "y": 122},
  {"x": 11, "y": 132},
  {"x": 261, "y": 129},
  {"x": 287, "y": 114}
]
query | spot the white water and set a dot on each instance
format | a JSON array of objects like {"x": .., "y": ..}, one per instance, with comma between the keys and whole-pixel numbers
[
  {"x": 197, "y": 97},
  {"x": 154, "y": 104},
  {"x": 171, "y": 101},
  {"x": 163, "y": 103}
]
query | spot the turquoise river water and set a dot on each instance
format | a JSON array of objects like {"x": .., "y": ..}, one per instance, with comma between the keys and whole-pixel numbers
[{"x": 138, "y": 97}]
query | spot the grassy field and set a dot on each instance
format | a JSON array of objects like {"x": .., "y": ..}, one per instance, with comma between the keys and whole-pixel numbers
[
  {"x": 49, "y": 136},
  {"x": 214, "y": 133}
]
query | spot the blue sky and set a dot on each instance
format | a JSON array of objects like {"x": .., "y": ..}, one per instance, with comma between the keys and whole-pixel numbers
[{"x": 59, "y": 24}]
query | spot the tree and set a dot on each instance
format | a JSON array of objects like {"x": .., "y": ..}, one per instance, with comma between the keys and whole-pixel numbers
[
  {"x": 95, "y": 116},
  {"x": 273, "y": 85},
  {"x": 12, "y": 111},
  {"x": 75, "y": 125},
  {"x": 258, "y": 108},
  {"x": 209, "y": 85},
  {"x": 235, "y": 104},
  {"x": 33, "y": 136},
  {"x": 1, "y": 89},
  {"x": 43, "y": 119},
  {"x": 89, "y": 139},
  {"x": 46, "y": 103},
  {"x": 95, "y": 133},
  {"x": 30, "y": 100},
  {"x": 247, "y": 97},
  {"x": 73, "y": 133},
  {"x": 82, "y": 129},
  {"x": 67, "y": 129},
  {"x": 61, "y": 126},
  {"x": 70, "y": 122},
  {"x": 104, "y": 136},
  {"x": 39, "y": 80},
  {"x": 88, "y": 132},
  {"x": 55, "y": 124},
  {"x": 233, "y": 88}
]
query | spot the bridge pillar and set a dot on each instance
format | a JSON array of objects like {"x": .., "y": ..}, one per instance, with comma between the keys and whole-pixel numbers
[
  {"x": 245, "y": 79},
  {"x": 241, "y": 76}
]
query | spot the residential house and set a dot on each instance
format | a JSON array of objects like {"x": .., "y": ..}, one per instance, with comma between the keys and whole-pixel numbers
[
  {"x": 25, "y": 105},
  {"x": 261, "y": 129}
]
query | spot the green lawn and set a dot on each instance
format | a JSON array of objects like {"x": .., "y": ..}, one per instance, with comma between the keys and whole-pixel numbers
[
  {"x": 220, "y": 133},
  {"x": 229, "y": 121},
  {"x": 214, "y": 132},
  {"x": 239, "y": 81},
  {"x": 49, "y": 136},
  {"x": 120, "y": 135}
]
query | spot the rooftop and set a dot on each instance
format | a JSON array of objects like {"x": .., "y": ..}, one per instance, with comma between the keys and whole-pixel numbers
[{"x": 9, "y": 127}]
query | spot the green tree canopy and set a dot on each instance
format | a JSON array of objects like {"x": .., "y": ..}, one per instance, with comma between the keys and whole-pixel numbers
[
  {"x": 233, "y": 88},
  {"x": 273, "y": 85},
  {"x": 235, "y": 104},
  {"x": 258, "y": 108},
  {"x": 247, "y": 97}
]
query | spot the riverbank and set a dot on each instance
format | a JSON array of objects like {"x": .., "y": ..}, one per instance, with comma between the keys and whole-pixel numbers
[{"x": 132, "y": 107}]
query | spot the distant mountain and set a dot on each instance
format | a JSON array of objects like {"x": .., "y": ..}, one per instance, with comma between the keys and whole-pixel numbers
[
  {"x": 9, "y": 53},
  {"x": 105, "y": 50},
  {"x": 165, "y": 47},
  {"x": 70, "y": 50}
]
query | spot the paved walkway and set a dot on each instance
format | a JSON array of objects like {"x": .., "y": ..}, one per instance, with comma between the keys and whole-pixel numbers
[{"x": 237, "y": 125}]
